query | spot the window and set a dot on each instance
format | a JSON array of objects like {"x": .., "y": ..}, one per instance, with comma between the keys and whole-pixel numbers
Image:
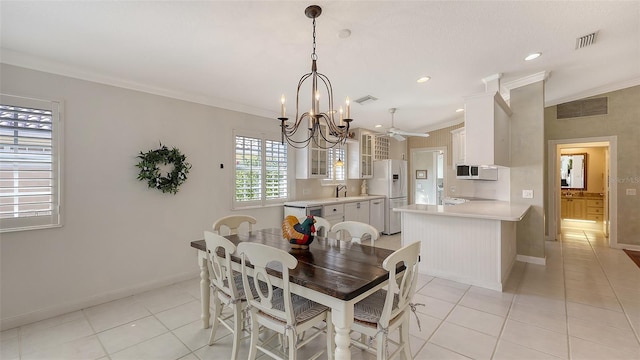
[
  {"x": 260, "y": 171},
  {"x": 30, "y": 179},
  {"x": 336, "y": 174}
]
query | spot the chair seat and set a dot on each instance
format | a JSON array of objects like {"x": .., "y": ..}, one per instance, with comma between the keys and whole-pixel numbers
[
  {"x": 237, "y": 279},
  {"x": 303, "y": 309},
  {"x": 369, "y": 310}
]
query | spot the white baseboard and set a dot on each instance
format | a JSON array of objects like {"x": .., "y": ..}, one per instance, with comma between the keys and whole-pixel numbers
[
  {"x": 627, "y": 246},
  {"x": 27, "y": 318},
  {"x": 532, "y": 259}
]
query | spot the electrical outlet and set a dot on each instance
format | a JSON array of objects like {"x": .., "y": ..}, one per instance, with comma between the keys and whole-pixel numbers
[
  {"x": 631, "y": 191},
  {"x": 306, "y": 191},
  {"x": 527, "y": 194}
]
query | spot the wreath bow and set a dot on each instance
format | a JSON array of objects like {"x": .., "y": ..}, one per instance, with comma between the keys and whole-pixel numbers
[{"x": 150, "y": 171}]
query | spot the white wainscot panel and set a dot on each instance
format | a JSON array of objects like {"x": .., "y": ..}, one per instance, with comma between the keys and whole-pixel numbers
[{"x": 472, "y": 251}]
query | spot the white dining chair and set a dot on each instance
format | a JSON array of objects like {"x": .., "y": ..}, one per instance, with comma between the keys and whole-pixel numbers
[
  {"x": 233, "y": 223},
  {"x": 357, "y": 231},
  {"x": 276, "y": 308},
  {"x": 322, "y": 225},
  {"x": 227, "y": 286},
  {"x": 387, "y": 310}
]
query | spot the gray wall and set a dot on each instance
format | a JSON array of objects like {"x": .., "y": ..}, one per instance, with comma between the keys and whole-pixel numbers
[
  {"x": 623, "y": 121},
  {"x": 527, "y": 164}
]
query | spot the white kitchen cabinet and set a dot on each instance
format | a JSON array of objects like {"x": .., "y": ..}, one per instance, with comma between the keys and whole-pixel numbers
[
  {"x": 360, "y": 156},
  {"x": 311, "y": 161},
  {"x": 357, "y": 211},
  {"x": 487, "y": 126},
  {"x": 376, "y": 214},
  {"x": 458, "y": 150}
]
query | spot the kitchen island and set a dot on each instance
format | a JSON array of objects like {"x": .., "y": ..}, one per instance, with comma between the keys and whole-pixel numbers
[{"x": 473, "y": 243}]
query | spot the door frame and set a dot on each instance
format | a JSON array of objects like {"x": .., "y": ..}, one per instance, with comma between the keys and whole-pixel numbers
[
  {"x": 554, "y": 183},
  {"x": 412, "y": 169}
]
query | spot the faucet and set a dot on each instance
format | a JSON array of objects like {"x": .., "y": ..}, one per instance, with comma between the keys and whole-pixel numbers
[{"x": 340, "y": 187}]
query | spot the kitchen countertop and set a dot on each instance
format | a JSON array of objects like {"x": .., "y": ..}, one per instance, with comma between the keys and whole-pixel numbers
[
  {"x": 329, "y": 201},
  {"x": 490, "y": 210}
]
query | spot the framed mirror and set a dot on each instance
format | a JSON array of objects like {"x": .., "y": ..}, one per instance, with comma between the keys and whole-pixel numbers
[{"x": 573, "y": 171}]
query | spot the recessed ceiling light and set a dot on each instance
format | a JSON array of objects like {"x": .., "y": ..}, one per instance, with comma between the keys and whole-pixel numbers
[
  {"x": 459, "y": 110},
  {"x": 378, "y": 126},
  {"x": 532, "y": 56},
  {"x": 424, "y": 79}
]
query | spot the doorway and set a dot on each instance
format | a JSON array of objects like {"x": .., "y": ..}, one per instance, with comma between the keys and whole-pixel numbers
[
  {"x": 427, "y": 174},
  {"x": 581, "y": 194}
]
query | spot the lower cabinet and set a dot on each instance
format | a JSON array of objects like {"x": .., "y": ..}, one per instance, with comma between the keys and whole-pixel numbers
[
  {"x": 582, "y": 209},
  {"x": 357, "y": 211},
  {"x": 595, "y": 209}
]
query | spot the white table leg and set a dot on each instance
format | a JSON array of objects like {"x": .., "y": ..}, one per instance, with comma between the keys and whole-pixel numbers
[
  {"x": 342, "y": 320},
  {"x": 205, "y": 292}
]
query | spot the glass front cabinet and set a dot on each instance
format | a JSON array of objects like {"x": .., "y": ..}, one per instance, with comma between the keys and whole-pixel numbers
[
  {"x": 311, "y": 161},
  {"x": 360, "y": 155}
]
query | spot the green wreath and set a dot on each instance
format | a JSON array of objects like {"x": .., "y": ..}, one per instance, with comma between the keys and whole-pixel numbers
[{"x": 150, "y": 171}]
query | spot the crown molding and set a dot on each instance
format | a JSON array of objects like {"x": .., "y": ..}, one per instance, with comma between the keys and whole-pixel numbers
[
  {"x": 595, "y": 91},
  {"x": 443, "y": 125},
  {"x": 35, "y": 63},
  {"x": 505, "y": 89}
]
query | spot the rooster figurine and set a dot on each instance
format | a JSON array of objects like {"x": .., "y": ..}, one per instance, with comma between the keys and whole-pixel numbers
[{"x": 299, "y": 235}]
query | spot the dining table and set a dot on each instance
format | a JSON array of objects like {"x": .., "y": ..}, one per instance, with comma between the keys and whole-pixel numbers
[{"x": 331, "y": 272}]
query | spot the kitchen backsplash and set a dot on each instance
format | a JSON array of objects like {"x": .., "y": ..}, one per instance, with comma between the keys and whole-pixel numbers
[{"x": 312, "y": 189}]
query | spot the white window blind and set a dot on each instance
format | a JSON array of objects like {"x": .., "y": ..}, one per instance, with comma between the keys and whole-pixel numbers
[
  {"x": 336, "y": 174},
  {"x": 261, "y": 172},
  {"x": 248, "y": 169},
  {"x": 29, "y": 163},
  {"x": 276, "y": 170}
]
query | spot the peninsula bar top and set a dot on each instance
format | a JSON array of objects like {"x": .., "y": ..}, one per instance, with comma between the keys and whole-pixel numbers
[{"x": 489, "y": 210}]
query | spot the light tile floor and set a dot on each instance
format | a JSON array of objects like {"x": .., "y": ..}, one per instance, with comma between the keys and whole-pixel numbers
[{"x": 584, "y": 304}]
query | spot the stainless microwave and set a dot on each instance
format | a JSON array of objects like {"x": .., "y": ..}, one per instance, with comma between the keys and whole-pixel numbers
[{"x": 472, "y": 172}]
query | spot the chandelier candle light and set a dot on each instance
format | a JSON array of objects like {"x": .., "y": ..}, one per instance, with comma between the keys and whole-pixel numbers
[{"x": 320, "y": 124}]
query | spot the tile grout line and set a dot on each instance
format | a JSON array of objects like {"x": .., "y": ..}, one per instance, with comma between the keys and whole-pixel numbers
[
  {"x": 445, "y": 318},
  {"x": 506, "y": 318},
  {"x": 564, "y": 287},
  {"x": 95, "y": 334},
  {"x": 626, "y": 315}
]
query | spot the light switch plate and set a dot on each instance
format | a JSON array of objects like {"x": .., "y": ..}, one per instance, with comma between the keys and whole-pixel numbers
[
  {"x": 631, "y": 191},
  {"x": 527, "y": 194}
]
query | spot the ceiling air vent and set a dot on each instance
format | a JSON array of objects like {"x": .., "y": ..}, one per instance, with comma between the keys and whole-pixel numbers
[
  {"x": 366, "y": 99},
  {"x": 584, "y": 41},
  {"x": 580, "y": 108}
]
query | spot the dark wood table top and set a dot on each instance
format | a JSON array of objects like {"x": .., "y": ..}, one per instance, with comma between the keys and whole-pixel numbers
[{"x": 340, "y": 269}]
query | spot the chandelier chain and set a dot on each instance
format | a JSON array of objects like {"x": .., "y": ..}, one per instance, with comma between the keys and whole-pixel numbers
[{"x": 314, "y": 56}]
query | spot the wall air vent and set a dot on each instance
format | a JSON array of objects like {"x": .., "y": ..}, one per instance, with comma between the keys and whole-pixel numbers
[
  {"x": 584, "y": 41},
  {"x": 581, "y": 108},
  {"x": 366, "y": 99}
]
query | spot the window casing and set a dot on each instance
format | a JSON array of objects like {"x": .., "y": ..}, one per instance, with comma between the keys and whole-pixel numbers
[
  {"x": 336, "y": 175},
  {"x": 30, "y": 163},
  {"x": 261, "y": 170}
]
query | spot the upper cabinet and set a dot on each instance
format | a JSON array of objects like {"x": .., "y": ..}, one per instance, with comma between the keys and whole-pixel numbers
[
  {"x": 311, "y": 161},
  {"x": 360, "y": 155},
  {"x": 487, "y": 128},
  {"x": 458, "y": 151}
]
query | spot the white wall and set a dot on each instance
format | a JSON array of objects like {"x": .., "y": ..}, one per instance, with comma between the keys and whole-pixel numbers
[{"x": 119, "y": 237}]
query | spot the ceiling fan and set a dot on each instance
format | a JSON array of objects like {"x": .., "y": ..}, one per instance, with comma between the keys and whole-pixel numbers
[{"x": 397, "y": 133}]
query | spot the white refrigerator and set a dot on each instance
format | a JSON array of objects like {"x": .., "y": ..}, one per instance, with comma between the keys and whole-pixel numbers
[{"x": 390, "y": 179}]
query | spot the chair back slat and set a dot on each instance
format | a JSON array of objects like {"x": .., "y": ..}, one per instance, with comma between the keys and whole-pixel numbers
[
  {"x": 260, "y": 257},
  {"x": 233, "y": 223},
  {"x": 220, "y": 272},
  {"x": 357, "y": 230},
  {"x": 401, "y": 288}
]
